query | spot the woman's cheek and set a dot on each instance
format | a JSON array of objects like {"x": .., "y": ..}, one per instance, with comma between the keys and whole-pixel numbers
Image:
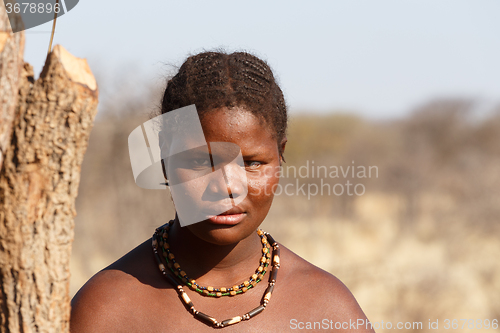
[{"x": 262, "y": 183}]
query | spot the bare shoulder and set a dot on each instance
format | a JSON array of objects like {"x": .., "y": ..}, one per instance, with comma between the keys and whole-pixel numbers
[
  {"x": 114, "y": 295},
  {"x": 323, "y": 297},
  {"x": 97, "y": 305}
]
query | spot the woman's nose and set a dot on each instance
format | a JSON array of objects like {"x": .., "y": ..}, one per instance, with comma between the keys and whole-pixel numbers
[
  {"x": 228, "y": 181},
  {"x": 235, "y": 179}
]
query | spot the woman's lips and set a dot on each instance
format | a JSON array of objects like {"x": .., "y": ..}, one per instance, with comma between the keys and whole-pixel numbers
[{"x": 227, "y": 219}]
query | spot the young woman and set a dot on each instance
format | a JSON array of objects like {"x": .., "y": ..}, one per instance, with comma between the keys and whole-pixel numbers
[{"x": 212, "y": 274}]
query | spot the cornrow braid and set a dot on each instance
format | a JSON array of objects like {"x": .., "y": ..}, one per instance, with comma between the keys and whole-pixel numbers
[{"x": 212, "y": 80}]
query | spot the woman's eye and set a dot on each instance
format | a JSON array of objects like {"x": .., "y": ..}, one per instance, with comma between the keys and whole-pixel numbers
[
  {"x": 252, "y": 164},
  {"x": 200, "y": 162}
]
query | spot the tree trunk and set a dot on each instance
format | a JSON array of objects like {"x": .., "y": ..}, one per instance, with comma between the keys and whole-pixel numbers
[
  {"x": 38, "y": 186},
  {"x": 11, "y": 62}
]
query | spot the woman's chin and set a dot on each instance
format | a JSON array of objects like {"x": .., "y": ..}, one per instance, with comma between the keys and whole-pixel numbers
[{"x": 225, "y": 230}]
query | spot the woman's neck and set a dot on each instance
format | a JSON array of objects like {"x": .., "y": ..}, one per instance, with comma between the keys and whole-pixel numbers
[{"x": 213, "y": 264}]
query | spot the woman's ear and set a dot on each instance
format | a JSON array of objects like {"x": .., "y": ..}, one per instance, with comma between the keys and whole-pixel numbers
[
  {"x": 282, "y": 149},
  {"x": 163, "y": 168},
  {"x": 163, "y": 143}
]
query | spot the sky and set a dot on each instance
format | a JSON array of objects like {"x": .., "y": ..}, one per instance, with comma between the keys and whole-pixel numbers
[{"x": 378, "y": 59}]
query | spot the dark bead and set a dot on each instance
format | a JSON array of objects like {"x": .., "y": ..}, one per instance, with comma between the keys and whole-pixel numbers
[
  {"x": 269, "y": 289},
  {"x": 158, "y": 261},
  {"x": 274, "y": 274},
  {"x": 271, "y": 239},
  {"x": 206, "y": 318},
  {"x": 256, "y": 311},
  {"x": 172, "y": 280}
]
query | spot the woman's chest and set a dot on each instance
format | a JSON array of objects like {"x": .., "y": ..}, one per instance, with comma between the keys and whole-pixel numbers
[{"x": 166, "y": 312}]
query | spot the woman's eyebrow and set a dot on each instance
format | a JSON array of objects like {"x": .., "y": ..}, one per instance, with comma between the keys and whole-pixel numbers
[
  {"x": 248, "y": 157},
  {"x": 199, "y": 150}
]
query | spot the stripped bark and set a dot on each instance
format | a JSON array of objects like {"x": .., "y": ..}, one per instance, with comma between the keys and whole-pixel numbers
[
  {"x": 11, "y": 62},
  {"x": 38, "y": 186}
]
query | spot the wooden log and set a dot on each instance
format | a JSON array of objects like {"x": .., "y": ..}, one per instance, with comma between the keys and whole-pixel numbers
[
  {"x": 11, "y": 62},
  {"x": 38, "y": 186}
]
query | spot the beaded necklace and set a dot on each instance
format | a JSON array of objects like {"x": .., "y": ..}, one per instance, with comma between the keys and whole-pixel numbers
[
  {"x": 158, "y": 238},
  {"x": 211, "y": 291}
]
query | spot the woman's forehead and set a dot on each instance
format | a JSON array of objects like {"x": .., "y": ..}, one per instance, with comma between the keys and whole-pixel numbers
[
  {"x": 234, "y": 125},
  {"x": 237, "y": 123}
]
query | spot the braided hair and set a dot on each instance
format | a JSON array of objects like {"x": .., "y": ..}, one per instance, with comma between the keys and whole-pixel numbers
[{"x": 212, "y": 80}]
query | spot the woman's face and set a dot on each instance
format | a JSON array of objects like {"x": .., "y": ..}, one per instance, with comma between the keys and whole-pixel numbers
[{"x": 250, "y": 183}]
